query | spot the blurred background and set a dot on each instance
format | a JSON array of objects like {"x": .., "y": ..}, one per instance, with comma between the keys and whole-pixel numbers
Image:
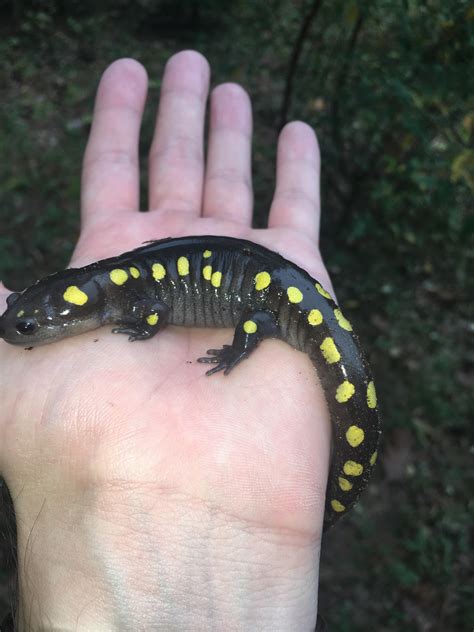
[{"x": 388, "y": 88}]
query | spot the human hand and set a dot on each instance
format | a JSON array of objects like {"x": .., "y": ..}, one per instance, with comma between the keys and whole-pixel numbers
[{"x": 144, "y": 490}]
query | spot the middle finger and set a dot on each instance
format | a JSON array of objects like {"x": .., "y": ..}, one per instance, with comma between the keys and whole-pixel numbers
[{"x": 176, "y": 154}]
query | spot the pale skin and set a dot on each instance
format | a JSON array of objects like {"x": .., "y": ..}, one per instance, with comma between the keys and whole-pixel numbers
[{"x": 147, "y": 495}]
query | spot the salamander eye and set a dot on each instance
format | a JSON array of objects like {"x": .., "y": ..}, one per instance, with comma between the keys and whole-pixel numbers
[{"x": 26, "y": 327}]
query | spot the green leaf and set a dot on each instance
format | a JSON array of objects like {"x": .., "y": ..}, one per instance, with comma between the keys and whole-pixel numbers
[
  {"x": 462, "y": 168},
  {"x": 351, "y": 13}
]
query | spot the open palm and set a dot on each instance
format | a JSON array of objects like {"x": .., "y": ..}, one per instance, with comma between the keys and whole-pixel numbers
[{"x": 253, "y": 445}]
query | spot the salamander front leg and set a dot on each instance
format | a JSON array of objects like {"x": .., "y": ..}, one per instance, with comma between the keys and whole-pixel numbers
[
  {"x": 145, "y": 320},
  {"x": 252, "y": 328}
]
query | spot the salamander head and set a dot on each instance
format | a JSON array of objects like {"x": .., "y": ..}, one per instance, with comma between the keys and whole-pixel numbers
[{"x": 41, "y": 314}]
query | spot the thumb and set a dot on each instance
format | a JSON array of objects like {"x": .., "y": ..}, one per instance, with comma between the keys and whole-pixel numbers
[{"x": 3, "y": 297}]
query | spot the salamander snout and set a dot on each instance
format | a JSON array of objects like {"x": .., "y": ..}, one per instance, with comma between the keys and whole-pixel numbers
[{"x": 18, "y": 328}]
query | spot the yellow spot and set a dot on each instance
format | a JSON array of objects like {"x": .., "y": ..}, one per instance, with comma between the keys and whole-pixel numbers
[
  {"x": 337, "y": 506},
  {"x": 118, "y": 276},
  {"x": 343, "y": 322},
  {"x": 330, "y": 351},
  {"x": 206, "y": 254},
  {"x": 158, "y": 271},
  {"x": 207, "y": 272},
  {"x": 344, "y": 484},
  {"x": 351, "y": 468},
  {"x": 152, "y": 319},
  {"x": 322, "y": 291},
  {"x": 216, "y": 279},
  {"x": 355, "y": 435},
  {"x": 371, "y": 395},
  {"x": 183, "y": 266},
  {"x": 21, "y": 313},
  {"x": 294, "y": 295},
  {"x": 373, "y": 458},
  {"x": 75, "y": 296},
  {"x": 262, "y": 280},
  {"x": 135, "y": 272},
  {"x": 345, "y": 391},
  {"x": 250, "y": 327},
  {"x": 315, "y": 317}
]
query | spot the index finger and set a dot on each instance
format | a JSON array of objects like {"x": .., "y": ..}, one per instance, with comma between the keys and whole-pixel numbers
[{"x": 110, "y": 173}]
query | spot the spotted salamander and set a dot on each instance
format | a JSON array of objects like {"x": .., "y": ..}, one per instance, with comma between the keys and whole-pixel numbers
[{"x": 219, "y": 282}]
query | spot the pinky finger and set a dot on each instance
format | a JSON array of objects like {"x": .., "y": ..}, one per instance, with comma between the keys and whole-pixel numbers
[{"x": 296, "y": 203}]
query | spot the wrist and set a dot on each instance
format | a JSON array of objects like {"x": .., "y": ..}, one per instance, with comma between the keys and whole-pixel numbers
[{"x": 129, "y": 557}]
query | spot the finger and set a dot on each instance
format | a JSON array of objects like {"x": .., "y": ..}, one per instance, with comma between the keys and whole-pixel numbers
[
  {"x": 228, "y": 181},
  {"x": 110, "y": 174},
  {"x": 296, "y": 203},
  {"x": 3, "y": 297},
  {"x": 176, "y": 155}
]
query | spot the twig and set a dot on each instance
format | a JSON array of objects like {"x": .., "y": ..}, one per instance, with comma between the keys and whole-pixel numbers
[
  {"x": 338, "y": 86},
  {"x": 294, "y": 59}
]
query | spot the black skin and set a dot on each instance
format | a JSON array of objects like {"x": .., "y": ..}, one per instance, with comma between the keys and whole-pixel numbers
[
  {"x": 243, "y": 344},
  {"x": 188, "y": 297}
]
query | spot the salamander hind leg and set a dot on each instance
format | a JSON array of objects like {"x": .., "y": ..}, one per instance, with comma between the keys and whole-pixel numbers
[
  {"x": 143, "y": 321},
  {"x": 252, "y": 328}
]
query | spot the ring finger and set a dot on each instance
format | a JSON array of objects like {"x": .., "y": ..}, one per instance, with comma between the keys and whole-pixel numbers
[{"x": 228, "y": 183}]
